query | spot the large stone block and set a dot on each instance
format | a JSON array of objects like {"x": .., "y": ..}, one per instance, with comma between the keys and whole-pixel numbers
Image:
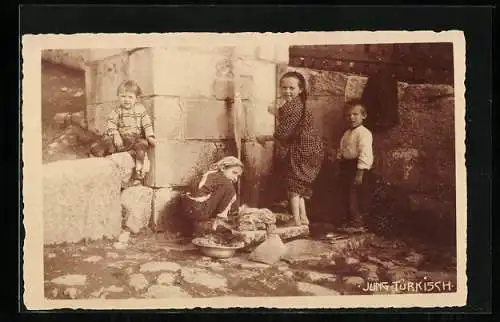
[
  {"x": 258, "y": 120},
  {"x": 425, "y": 93},
  {"x": 141, "y": 69},
  {"x": 167, "y": 114},
  {"x": 328, "y": 117},
  {"x": 166, "y": 210},
  {"x": 258, "y": 161},
  {"x": 176, "y": 163},
  {"x": 282, "y": 54},
  {"x": 137, "y": 207},
  {"x": 206, "y": 119},
  {"x": 319, "y": 82},
  {"x": 264, "y": 79},
  {"x": 355, "y": 86},
  {"x": 81, "y": 200},
  {"x": 105, "y": 77},
  {"x": 427, "y": 127},
  {"x": 96, "y": 54},
  {"x": 125, "y": 165},
  {"x": 188, "y": 74},
  {"x": 267, "y": 52},
  {"x": 224, "y": 87}
]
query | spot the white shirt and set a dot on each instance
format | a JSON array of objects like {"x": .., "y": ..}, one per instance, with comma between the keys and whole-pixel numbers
[{"x": 357, "y": 144}]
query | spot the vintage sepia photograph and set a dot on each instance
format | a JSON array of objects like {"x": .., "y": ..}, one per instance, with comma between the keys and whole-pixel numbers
[{"x": 301, "y": 170}]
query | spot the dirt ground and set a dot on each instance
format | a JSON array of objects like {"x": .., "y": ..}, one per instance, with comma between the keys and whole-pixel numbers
[
  {"x": 63, "y": 90},
  {"x": 153, "y": 267}
]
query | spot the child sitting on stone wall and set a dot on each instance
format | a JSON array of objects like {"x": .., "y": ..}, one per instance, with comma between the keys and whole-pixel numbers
[
  {"x": 128, "y": 128},
  {"x": 215, "y": 198}
]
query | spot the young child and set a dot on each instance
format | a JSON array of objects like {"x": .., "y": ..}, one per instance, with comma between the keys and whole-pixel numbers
[
  {"x": 305, "y": 148},
  {"x": 215, "y": 199},
  {"x": 355, "y": 157},
  {"x": 128, "y": 128}
]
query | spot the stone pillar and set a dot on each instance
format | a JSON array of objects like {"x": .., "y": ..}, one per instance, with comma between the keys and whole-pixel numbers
[{"x": 257, "y": 74}]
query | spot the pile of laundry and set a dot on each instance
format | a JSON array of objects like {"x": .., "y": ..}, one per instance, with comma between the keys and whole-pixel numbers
[{"x": 251, "y": 219}]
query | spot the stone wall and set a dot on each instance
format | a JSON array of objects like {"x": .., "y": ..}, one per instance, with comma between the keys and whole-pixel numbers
[
  {"x": 189, "y": 93},
  {"x": 417, "y": 156}
]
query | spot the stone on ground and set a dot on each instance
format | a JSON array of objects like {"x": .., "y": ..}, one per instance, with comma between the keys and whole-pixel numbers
[
  {"x": 166, "y": 279},
  {"x": 369, "y": 271},
  {"x": 351, "y": 261},
  {"x": 304, "y": 250},
  {"x": 137, "y": 207},
  {"x": 312, "y": 289},
  {"x": 203, "y": 277},
  {"x": 315, "y": 277},
  {"x": 112, "y": 255},
  {"x": 354, "y": 281},
  {"x": 125, "y": 165},
  {"x": 270, "y": 251},
  {"x": 160, "y": 266},
  {"x": 120, "y": 245},
  {"x": 138, "y": 282},
  {"x": 162, "y": 291},
  {"x": 81, "y": 200},
  {"x": 72, "y": 292},
  {"x": 399, "y": 273},
  {"x": 93, "y": 259},
  {"x": 415, "y": 258},
  {"x": 114, "y": 289},
  {"x": 71, "y": 279}
]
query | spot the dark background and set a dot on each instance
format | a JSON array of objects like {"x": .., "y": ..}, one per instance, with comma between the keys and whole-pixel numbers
[{"x": 476, "y": 22}]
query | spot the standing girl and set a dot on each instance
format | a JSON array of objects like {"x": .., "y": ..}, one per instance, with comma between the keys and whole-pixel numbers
[{"x": 305, "y": 148}]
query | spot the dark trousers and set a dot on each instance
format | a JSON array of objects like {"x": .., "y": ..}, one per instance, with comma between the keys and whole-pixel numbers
[
  {"x": 355, "y": 199},
  {"x": 134, "y": 144}
]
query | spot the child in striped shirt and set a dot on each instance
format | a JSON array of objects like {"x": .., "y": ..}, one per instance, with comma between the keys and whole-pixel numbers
[{"x": 128, "y": 128}]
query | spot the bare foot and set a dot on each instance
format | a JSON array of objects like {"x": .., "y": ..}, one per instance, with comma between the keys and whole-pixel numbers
[
  {"x": 298, "y": 222},
  {"x": 305, "y": 221}
]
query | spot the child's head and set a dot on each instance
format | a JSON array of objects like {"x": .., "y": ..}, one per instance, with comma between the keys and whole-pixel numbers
[
  {"x": 128, "y": 91},
  {"x": 355, "y": 112},
  {"x": 293, "y": 85},
  {"x": 231, "y": 167}
]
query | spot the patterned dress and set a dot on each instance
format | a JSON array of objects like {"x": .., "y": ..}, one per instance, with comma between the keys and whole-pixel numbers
[{"x": 305, "y": 147}]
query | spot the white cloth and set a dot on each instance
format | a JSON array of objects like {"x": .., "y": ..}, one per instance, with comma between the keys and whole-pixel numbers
[{"x": 357, "y": 144}]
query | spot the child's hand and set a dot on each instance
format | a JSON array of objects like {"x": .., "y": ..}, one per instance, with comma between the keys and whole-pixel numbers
[
  {"x": 117, "y": 140},
  {"x": 152, "y": 141},
  {"x": 261, "y": 140},
  {"x": 358, "y": 179},
  {"x": 218, "y": 222},
  {"x": 273, "y": 108}
]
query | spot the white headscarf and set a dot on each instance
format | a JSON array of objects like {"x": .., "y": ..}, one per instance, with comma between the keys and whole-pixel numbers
[
  {"x": 226, "y": 162},
  {"x": 222, "y": 164}
]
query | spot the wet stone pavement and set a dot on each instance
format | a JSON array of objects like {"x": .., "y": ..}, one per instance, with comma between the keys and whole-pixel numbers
[{"x": 153, "y": 267}]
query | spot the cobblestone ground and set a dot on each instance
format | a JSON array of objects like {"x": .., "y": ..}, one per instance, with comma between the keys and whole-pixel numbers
[{"x": 152, "y": 267}]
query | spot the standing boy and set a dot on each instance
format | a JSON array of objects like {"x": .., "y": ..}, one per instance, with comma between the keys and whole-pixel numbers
[{"x": 355, "y": 157}]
